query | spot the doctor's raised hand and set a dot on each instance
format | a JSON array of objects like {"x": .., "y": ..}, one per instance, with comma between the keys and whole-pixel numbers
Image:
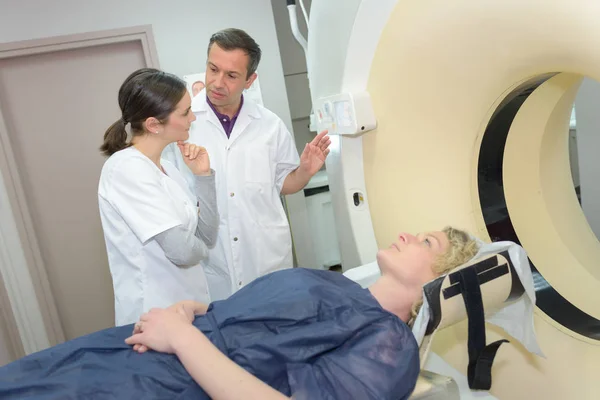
[
  {"x": 311, "y": 161},
  {"x": 196, "y": 158},
  {"x": 314, "y": 154}
]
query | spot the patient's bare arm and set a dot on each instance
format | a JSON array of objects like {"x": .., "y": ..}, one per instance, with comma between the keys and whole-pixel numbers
[{"x": 221, "y": 378}]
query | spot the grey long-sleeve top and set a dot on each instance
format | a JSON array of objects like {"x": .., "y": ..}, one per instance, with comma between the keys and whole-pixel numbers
[{"x": 185, "y": 248}]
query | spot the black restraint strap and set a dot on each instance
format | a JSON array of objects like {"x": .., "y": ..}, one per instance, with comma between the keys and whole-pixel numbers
[{"x": 481, "y": 357}]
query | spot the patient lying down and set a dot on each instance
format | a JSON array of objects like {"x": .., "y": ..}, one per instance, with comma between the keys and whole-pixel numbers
[{"x": 303, "y": 333}]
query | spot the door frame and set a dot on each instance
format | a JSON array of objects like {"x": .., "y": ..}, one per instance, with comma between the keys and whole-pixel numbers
[{"x": 22, "y": 269}]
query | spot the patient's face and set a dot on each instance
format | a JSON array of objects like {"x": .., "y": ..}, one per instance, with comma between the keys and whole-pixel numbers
[{"x": 410, "y": 258}]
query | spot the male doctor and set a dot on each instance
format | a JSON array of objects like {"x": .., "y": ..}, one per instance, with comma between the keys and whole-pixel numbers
[{"x": 255, "y": 161}]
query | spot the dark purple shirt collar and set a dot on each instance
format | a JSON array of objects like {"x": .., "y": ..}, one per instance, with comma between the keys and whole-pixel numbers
[{"x": 226, "y": 122}]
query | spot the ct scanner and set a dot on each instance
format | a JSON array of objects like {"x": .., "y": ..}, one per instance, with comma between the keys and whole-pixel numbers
[{"x": 457, "y": 112}]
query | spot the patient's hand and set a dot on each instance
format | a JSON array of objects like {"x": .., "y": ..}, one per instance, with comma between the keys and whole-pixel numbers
[
  {"x": 189, "y": 309},
  {"x": 140, "y": 348},
  {"x": 158, "y": 330},
  {"x": 186, "y": 308}
]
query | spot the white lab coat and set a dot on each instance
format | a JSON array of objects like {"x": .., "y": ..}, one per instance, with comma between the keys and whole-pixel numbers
[
  {"x": 251, "y": 166},
  {"x": 138, "y": 201}
]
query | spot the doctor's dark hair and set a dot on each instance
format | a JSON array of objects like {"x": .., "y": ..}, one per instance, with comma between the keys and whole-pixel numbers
[
  {"x": 146, "y": 93},
  {"x": 232, "y": 39}
]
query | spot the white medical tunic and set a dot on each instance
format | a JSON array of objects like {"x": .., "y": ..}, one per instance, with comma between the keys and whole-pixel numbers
[
  {"x": 138, "y": 201},
  {"x": 251, "y": 166}
]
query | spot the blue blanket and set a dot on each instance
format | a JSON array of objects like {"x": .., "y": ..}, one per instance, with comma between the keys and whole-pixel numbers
[{"x": 313, "y": 334}]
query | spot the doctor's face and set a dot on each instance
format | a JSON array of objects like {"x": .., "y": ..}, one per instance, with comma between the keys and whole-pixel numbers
[
  {"x": 410, "y": 259},
  {"x": 226, "y": 76},
  {"x": 178, "y": 125}
]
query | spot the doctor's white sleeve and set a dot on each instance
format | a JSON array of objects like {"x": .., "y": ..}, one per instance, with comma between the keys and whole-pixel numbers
[
  {"x": 287, "y": 159},
  {"x": 172, "y": 154}
]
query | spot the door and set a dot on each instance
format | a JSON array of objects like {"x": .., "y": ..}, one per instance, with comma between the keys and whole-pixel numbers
[
  {"x": 56, "y": 107},
  {"x": 10, "y": 349}
]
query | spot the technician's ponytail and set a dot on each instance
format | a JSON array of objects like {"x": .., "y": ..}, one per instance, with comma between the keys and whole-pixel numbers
[{"x": 115, "y": 138}]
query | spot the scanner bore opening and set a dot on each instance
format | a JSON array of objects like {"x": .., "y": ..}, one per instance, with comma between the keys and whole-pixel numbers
[{"x": 497, "y": 218}]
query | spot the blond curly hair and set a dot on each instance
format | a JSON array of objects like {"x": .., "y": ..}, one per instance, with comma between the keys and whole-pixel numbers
[{"x": 462, "y": 249}]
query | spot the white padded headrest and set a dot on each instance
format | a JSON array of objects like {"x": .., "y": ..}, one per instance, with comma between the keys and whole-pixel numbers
[{"x": 499, "y": 284}]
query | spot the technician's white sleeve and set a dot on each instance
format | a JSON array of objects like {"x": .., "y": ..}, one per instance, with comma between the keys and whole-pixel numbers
[
  {"x": 287, "y": 158},
  {"x": 137, "y": 194}
]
